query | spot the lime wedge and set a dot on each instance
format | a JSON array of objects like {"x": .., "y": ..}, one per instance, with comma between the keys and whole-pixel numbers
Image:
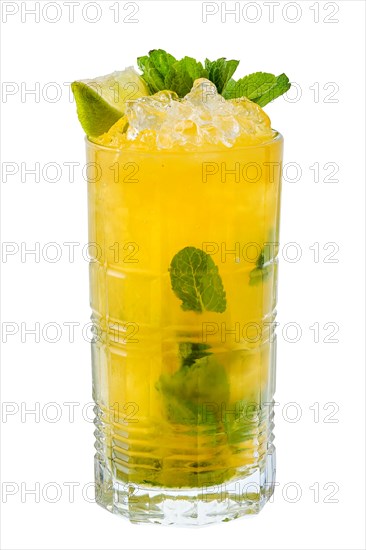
[{"x": 100, "y": 102}]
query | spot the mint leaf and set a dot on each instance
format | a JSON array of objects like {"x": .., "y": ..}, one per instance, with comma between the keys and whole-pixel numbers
[
  {"x": 264, "y": 265},
  {"x": 282, "y": 85},
  {"x": 194, "y": 394},
  {"x": 240, "y": 422},
  {"x": 191, "y": 351},
  {"x": 220, "y": 71},
  {"x": 196, "y": 281},
  {"x": 199, "y": 394},
  {"x": 182, "y": 74},
  {"x": 251, "y": 86},
  {"x": 162, "y": 71},
  {"x": 155, "y": 67},
  {"x": 258, "y": 87}
]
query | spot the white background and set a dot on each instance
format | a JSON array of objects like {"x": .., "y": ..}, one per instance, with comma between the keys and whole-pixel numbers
[{"x": 322, "y": 121}]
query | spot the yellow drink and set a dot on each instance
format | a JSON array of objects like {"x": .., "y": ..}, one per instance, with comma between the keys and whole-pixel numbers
[{"x": 183, "y": 397}]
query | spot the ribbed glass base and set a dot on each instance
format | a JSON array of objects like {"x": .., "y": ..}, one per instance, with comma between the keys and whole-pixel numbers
[{"x": 199, "y": 506}]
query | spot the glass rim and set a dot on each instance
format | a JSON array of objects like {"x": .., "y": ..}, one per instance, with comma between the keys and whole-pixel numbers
[{"x": 198, "y": 151}]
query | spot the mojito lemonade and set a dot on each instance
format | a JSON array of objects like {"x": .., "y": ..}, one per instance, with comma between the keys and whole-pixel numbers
[{"x": 184, "y": 221}]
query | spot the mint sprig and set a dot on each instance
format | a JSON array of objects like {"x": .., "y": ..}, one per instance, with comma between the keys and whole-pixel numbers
[
  {"x": 196, "y": 281},
  {"x": 162, "y": 71}
]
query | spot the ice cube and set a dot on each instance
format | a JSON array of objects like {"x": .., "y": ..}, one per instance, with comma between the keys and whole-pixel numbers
[{"x": 203, "y": 94}]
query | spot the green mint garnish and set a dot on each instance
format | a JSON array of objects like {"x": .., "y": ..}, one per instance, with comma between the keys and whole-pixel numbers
[
  {"x": 155, "y": 67},
  {"x": 221, "y": 71},
  {"x": 261, "y": 88},
  {"x": 196, "y": 281},
  {"x": 162, "y": 71},
  {"x": 182, "y": 75}
]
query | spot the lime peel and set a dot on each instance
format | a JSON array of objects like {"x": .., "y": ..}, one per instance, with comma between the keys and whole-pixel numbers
[{"x": 101, "y": 101}]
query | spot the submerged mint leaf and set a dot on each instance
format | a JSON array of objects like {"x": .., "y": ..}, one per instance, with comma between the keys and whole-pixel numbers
[
  {"x": 193, "y": 394},
  {"x": 264, "y": 264},
  {"x": 260, "y": 272},
  {"x": 258, "y": 87},
  {"x": 241, "y": 423},
  {"x": 196, "y": 281},
  {"x": 221, "y": 71},
  {"x": 190, "y": 352},
  {"x": 199, "y": 394}
]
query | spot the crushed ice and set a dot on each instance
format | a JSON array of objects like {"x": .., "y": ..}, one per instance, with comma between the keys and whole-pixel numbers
[{"x": 201, "y": 117}]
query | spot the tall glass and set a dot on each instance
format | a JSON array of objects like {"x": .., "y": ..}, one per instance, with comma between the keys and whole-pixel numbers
[{"x": 183, "y": 292}]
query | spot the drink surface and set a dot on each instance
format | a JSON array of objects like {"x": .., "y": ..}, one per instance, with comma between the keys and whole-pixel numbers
[{"x": 183, "y": 397}]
